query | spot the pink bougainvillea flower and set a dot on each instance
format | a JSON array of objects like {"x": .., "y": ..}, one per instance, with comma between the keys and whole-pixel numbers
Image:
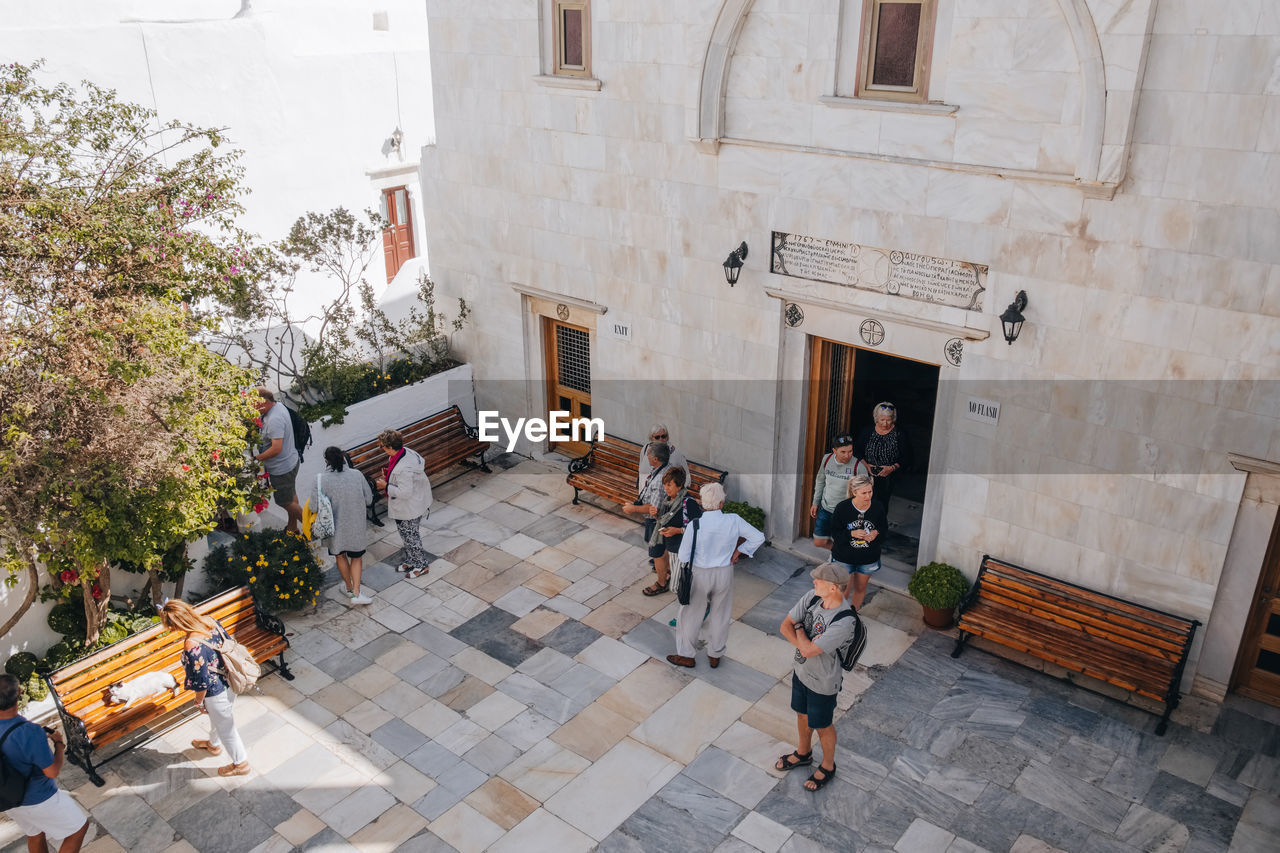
[
  {"x": 67, "y": 576},
  {"x": 186, "y": 467},
  {"x": 96, "y": 591}
]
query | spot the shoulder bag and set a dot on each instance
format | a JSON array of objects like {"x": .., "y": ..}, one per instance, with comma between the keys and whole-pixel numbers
[
  {"x": 684, "y": 583},
  {"x": 322, "y": 525},
  {"x": 239, "y": 669}
]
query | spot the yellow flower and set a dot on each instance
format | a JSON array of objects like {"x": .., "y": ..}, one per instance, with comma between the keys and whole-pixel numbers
[{"x": 252, "y": 578}]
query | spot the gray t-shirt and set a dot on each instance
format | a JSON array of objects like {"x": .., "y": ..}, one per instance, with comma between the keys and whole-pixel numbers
[
  {"x": 276, "y": 424},
  {"x": 821, "y": 673}
]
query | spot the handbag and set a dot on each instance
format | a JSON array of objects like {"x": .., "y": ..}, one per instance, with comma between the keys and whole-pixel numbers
[
  {"x": 323, "y": 525},
  {"x": 684, "y": 583},
  {"x": 239, "y": 669}
]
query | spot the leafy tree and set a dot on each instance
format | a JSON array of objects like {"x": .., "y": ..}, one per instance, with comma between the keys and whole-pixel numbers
[{"x": 120, "y": 433}]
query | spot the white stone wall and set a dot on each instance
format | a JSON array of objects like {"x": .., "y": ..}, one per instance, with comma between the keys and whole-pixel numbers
[{"x": 1120, "y": 485}]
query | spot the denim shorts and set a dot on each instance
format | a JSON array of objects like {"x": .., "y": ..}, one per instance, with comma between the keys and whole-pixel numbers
[
  {"x": 822, "y": 524},
  {"x": 864, "y": 569}
]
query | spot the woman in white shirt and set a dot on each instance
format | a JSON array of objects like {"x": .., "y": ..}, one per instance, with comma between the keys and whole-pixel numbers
[{"x": 721, "y": 538}]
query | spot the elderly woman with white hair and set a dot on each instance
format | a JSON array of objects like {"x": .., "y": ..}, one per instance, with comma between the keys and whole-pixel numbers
[
  {"x": 886, "y": 450},
  {"x": 659, "y": 434},
  {"x": 711, "y": 544}
]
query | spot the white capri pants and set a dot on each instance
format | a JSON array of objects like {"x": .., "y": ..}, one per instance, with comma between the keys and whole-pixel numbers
[
  {"x": 222, "y": 726},
  {"x": 716, "y": 586}
]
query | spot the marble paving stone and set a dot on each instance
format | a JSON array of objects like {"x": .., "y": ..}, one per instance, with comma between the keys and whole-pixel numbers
[
  {"x": 495, "y": 710},
  {"x": 1189, "y": 803},
  {"x": 600, "y": 598},
  {"x": 483, "y": 531},
  {"x": 581, "y": 591},
  {"x": 772, "y": 714},
  {"x": 1080, "y": 721},
  {"x": 737, "y": 678},
  {"x": 690, "y": 720},
  {"x": 612, "y": 658},
  {"x": 569, "y": 607},
  {"x": 390, "y": 829},
  {"x": 521, "y": 546},
  {"x": 404, "y": 781},
  {"x": 593, "y": 732},
  {"x": 652, "y": 638},
  {"x": 314, "y": 645},
  {"x": 547, "y": 584},
  {"x": 571, "y": 637},
  {"x": 307, "y": 679},
  {"x": 327, "y": 841},
  {"x": 462, "y": 736},
  {"x": 763, "y": 834},
  {"x": 956, "y": 782},
  {"x": 329, "y": 789},
  {"x": 1225, "y": 788},
  {"x": 753, "y": 746},
  {"x": 552, "y": 530},
  {"x": 543, "y": 832},
  {"x": 1195, "y": 767},
  {"x": 353, "y": 812},
  {"x": 703, "y": 805},
  {"x": 302, "y": 826},
  {"x": 502, "y": 802},
  {"x": 509, "y": 516},
  {"x": 218, "y": 824},
  {"x": 999, "y": 762},
  {"x": 395, "y": 619},
  {"x": 644, "y": 690},
  {"x": 303, "y": 769},
  {"x": 482, "y": 626},
  {"x": 355, "y": 747},
  {"x": 367, "y": 716},
  {"x": 353, "y": 629},
  {"x": 749, "y": 590},
  {"x": 431, "y": 759},
  {"x": 546, "y": 666},
  {"x": 775, "y": 566},
  {"x": 541, "y": 698},
  {"x": 922, "y": 835},
  {"x": 767, "y": 616},
  {"x": 544, "y": 769},
  {"x": 466, "y": 829},
  {"x": 582, "y": 684},
  {"x": 398, "y": 736},
  {"x": 801, "y": 814},
  {"x": 432, "y": 718},
  {"x": 371, "y": 680},
  {"x": 730, "y": 776},
  {"x": 633, "y": 598},
  {"x": 477, "y": 663},
  {"x": 425, "y": 842},
  {"x": 1072, "y": 797},
  {"x": 520, "y": 601},
  {"x": 1144, "y": 829},
  {"x": 468, "y": 692},
  {"x": 526, "y": 729},
  {"x": 491, "y": 754},
  {"x": 509, "y": 647},
  {"x": 380, "y": 575},
  {"x": 576, "y": 569},
  {"x": 551, "y": 559},
  {"x": 392, "y": 652},
  {"x": 401, "y": 699},
  {"x": 538, "y": 623},
  {"x": 760, "y": 651},
  {"x": 437, "y": 801},
  {"x": 593, "y": 546},
  {"x": 442, "y": 681},
  {"x": 601, "y": 797},
  {"x": 612, "y": 619}
]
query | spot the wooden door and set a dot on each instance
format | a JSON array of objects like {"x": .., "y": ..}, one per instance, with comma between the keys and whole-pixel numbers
[
  {"x": 830, "y": 398},
  {"x": 568, "y": 355},
  {"x": 1258, "y": 667},
  {"x": 397, "y": 236}
]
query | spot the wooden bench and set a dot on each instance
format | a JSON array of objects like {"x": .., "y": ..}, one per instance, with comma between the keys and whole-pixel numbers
[
  {"x": 1136, "y": 648},
  {"x": 611, "y": 467},
  {"x": 442, "y": 440},
  {"x": 79, "y": 689}
]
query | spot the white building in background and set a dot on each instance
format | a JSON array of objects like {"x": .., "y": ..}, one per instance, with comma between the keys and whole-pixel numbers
[
  {"x": 900, "y": 171},
  {"x": 329, "y": 99}
]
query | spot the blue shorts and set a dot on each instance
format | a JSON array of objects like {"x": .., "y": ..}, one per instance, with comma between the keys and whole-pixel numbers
[
  {"x": 821, "y": 525},
  {"x": 864, "y": 569},
  {"x": 820, "y": 708}
]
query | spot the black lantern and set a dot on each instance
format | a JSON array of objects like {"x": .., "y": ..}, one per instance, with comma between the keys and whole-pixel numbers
[
  {"x": 733, "y": 264},
  {"x": 1012, "y": 318}
]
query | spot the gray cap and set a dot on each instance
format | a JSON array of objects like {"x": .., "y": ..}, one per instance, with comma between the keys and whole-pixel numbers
[{"x": 830, "y": 572}]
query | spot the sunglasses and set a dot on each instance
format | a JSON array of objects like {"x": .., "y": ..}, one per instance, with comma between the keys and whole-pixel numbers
[{"x": 658, "y": 435}]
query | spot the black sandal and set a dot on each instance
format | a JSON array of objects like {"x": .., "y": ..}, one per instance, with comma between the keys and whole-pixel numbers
[
  {"x": 827, "y": 776},
  {"x": 785, "y": 762},
  {"x": 657, "y": 589}
]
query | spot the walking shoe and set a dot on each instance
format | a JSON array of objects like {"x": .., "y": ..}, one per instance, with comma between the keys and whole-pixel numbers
[{"x": 361, "y": 599}]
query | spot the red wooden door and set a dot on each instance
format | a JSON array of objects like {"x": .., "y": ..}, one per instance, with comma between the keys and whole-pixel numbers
[{"x": 397, "y": 237}]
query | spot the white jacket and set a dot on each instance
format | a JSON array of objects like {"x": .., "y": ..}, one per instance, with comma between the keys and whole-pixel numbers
[{"x": 408, "y": 490}]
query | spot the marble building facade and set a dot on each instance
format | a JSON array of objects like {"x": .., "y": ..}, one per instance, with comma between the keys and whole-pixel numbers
[{"x": 1117, "y": 160}]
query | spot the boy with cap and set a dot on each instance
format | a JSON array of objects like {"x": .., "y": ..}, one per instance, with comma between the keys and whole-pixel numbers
[{"x": 815, "y": 627}]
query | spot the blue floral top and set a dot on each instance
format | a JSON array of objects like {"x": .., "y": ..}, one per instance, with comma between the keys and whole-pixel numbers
[{"x": 203, "y": 666}]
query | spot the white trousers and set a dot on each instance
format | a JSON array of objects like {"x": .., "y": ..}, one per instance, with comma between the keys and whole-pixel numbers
[
  {"x": 222, "y": 726},
  {"x": 709, "y": 585}
]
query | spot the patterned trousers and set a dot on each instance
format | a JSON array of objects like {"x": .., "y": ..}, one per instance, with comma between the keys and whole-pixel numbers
[{"x": 414, "y": 554}]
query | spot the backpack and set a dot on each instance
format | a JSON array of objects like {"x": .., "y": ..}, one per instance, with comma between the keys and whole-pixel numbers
[
  {"x": 239, "y": 669},
  {"x": 13, "y": 785},
  {"x": 301, "y": 431},
  {"x": 851, "y": 650}
]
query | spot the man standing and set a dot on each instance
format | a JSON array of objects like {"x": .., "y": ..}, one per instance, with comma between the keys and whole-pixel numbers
[
  {"x": 819, "y": 624},
  {"x": 47, "y": 811},
  {"x": 278, "y": 455},
  {"x": 830, "y": 487}
]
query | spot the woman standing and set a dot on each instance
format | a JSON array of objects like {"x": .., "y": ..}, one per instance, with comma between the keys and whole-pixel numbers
[
  {"x": 349, "y": 493},
  {"x": 408, "y": 498},
  {"x": 857, "y": 526},
  {"x": 886, "y": 449},
  {"x": 203, "y": 666},
  {"x": 673, "y": 512}
]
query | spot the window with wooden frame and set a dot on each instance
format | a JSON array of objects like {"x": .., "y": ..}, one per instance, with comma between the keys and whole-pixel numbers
[
  {"x": 897, "y": 38},
  {"x": 571, "y": 25}
]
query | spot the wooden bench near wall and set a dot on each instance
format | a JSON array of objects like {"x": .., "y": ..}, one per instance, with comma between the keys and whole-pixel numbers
[
  {"x": 442, "y": 440},
  {"x": 1138, "y": 649},
  {"x": 610, "y": 469},
  {"x": 79, "y": 689}
]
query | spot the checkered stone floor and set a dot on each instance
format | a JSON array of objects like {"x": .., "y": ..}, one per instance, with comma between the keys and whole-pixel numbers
[{"x": 516, "y": 699}]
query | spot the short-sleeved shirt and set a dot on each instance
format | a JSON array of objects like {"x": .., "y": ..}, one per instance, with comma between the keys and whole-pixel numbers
[
  {"x": 821, "y": 673},
  {"x": 831, "y": 485},
  {"x": 202, "y": 666},
  {"x": 28, "y": 751},
  {"x": 848, "y": 518},
  {"x": 276, "y": 424}
]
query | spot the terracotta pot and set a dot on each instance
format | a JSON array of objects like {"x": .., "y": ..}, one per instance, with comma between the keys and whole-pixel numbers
[{"x": 939, "y": 618}]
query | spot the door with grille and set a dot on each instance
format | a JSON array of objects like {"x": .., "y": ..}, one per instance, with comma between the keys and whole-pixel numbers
[
  {"x": 1258, "y": 667},
  {"x": 568, "y": 376}
]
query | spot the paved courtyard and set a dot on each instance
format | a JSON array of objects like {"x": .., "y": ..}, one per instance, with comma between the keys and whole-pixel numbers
[{"x": 516, "y": 699}]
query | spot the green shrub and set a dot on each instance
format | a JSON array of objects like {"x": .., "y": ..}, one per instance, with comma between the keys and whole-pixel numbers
[
  {"x": 61, "y": 654},
  {"x": 752, "y": 515},
  {"x": 21, "y": 665},
  {"x": 279, "y": 567},
  {"x": 68, "y": 619},
  {"x": 938, "y": 585},
  {"x": 34, "y": 688},
  {"x": 342, "y": 385}
]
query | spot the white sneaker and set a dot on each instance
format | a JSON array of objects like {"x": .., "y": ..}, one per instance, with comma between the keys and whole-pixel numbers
[{"x": 361, "y": 599}]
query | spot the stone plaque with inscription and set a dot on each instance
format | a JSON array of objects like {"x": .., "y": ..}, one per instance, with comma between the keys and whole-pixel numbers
[{"x": 924, "y": 278}]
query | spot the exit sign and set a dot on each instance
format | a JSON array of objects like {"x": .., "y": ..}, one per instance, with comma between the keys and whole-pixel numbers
[{"x": 618, "y": 329}]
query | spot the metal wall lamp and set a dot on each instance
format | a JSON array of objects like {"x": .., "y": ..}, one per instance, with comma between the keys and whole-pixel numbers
[
  {"x": 733, "y": 264},
  {"x": 1011, "y": 320}
]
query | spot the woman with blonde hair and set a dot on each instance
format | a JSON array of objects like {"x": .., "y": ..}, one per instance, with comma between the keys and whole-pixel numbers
[{"x": 203, "y": 665}]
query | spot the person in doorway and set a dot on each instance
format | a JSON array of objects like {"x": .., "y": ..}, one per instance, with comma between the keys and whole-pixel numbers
[
  {"x": 408, "y": 498},
  {"x": 886, "y": 450},
  {"x": 830, "y": 486},
  {"x": 349, "y": 493},
  {"x": 857, "y": 527},
  {"x": 813, "y": 626},
  {"x": 721, "y": 538},
  {"x": 203, "y": 666},
  {"x": 47, "y": 811},
  {"x": 658, "y": 456},
  {"x": 279, "y": 457},
  {"x": 676, "y": 509}
]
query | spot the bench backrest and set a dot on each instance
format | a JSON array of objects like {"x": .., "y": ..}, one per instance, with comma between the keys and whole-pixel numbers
[
  {"x": 441, "y": 440},
  {"x": 1145, "y": 630},
  {"x": 623, "y": 457}
]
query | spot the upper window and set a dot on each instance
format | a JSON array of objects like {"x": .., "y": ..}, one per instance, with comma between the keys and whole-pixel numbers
[
  {"x": 571, "y": 24},
  {"x": 893, "y": 59}
]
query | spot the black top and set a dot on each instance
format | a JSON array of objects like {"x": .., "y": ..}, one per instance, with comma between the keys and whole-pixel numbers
[
  {"x": 847, "y": 518},
  {"x": 891, "y": 449}
]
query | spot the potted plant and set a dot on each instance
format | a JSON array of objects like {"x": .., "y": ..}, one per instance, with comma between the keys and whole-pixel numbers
[{"x": 939, "y": 587}]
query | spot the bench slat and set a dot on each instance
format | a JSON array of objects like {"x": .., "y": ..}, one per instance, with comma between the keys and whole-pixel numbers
[{"x": 612, "y": 467}]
